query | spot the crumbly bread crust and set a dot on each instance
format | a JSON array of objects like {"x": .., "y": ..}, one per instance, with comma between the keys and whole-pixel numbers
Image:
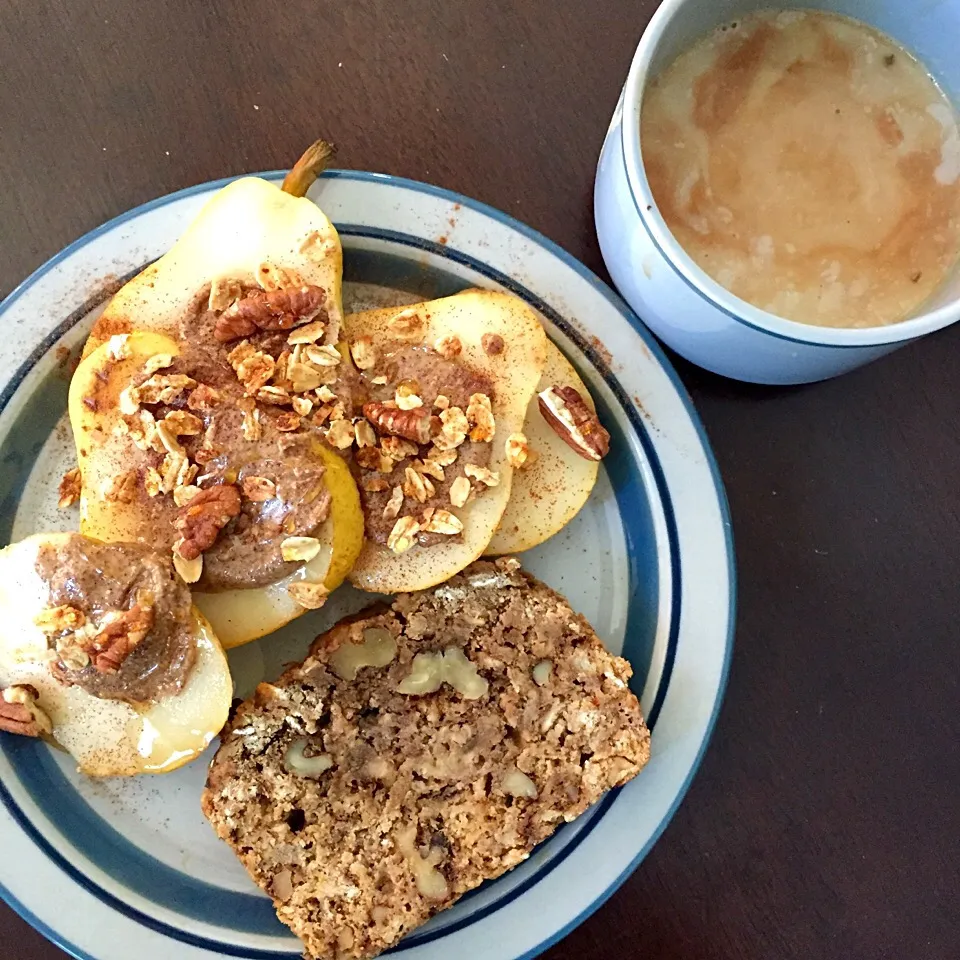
[{"x": 363, "y": 810}]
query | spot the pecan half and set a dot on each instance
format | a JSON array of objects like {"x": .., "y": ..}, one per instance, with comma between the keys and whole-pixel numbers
[
  {"x": 417, "y": 425},
  {"x": 574, "y": 422},
  {"x": 119, "y": 636},
  {"x": 19, "y": 712},
  {"x": 199, "y": 522},
  {"x": 269, "y": 310}
]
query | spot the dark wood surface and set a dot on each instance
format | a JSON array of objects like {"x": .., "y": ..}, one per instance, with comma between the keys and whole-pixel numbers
[{"x": 825, "y": 820}]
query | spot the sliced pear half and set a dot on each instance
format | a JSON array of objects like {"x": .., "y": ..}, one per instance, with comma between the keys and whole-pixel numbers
[
  {"x": 514, "y": 373},
  {"x": 549, "y": 492},
  {"x": 251, "y": 232},
  {"x": 107, "y": 737},
  {"x": 237, "y": 616}
]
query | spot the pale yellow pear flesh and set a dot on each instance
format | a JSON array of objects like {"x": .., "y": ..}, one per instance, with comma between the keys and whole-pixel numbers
[
  {"x": 249, "y": 232},
  {"x": 514, "y": 373},
  {"x": 237, "y": 616},
  {"x": 107, "y": 737},
  {"x": 548, "y": 493}
]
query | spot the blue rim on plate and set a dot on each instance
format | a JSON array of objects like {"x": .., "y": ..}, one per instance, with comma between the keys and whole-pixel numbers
[{"x": 350, "y": 230}]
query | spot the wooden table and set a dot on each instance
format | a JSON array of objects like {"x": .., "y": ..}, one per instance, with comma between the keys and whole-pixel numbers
[{"x": 825, "y": 820}]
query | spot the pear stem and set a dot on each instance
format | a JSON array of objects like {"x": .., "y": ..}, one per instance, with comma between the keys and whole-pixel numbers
[{"x": 316, "y": 158}]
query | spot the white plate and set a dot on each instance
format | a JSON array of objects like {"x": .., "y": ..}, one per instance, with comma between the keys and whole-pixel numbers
[{"x": 116, "y": 868}]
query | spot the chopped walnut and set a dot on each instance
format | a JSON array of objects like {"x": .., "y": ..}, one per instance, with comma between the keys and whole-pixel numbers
[
  {"x": 118, "y": 346},
  {"x": 129, "y": 400},
  {"x": 429, "y": 671},
  {"x": 416, "y": 486},
  {"x": 431, "y": 468},
  {"x": 392, "y": 509},
  {"x": 223, "y": 293},
  {"x": 364, "y": 353},
  {"x": 340, "y": 434},
  {"x": 516, "y": 783},
  {"x": 377, "y": 649},
  {"x": 153, "y": 482},
  {"x": 480, "y": 414},
  {"x": 255, "y": 371},
  {"x": 122, "y": 488},
  {"x": 443, "y": 457},
  {"x": 159, "y": 361},
  {"x": 443, "y": 522},
  {"x": 258, "y": 489},
  {"x": 203, "y": 398},
  {"x": 182, "y": 424},
  {"x": 162, "y": 388},
  {"x": 489, "y": 478},
  {"x": 371, "y": 458},
  {"x": 286, "y": 421},
  {"x": 200, "y": 521},
  {"x": 120, "y": 634},
  {"x": 296, "y": 761},
  {"x": 403, "y": 535},
  {"x": 396, "y": 448},
  {"x": 60, "y": 619},
  {"x": 141, "y": 426},
  {"x": 184, "y": 494},
  {"x": 460, "y": 491},
  {"x": 448, "y": 346},
  {"x": 310, "y": 596},
  {"x": 441, "y": 402},
  {"x": 492, "y": 344},
  {"x": 407, "y": 325},
  {"x": 517, "y": 450},
  {"x": 69, "y": 490},
  {"x": 374, "y": 484}
]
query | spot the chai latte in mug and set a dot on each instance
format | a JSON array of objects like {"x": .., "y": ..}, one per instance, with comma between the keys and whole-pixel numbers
[{"x": 808, "y": 164}]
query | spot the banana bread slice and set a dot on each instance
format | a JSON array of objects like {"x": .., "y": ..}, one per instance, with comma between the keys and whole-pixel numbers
[{"x": 420, "y": 749}]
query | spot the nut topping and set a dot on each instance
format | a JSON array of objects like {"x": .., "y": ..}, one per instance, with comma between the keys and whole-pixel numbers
[
  {"x": 203, "y": 398},
  {"x": 159, "y": 361},
  {"x": 310, "y": 596},
  {"x": 69, "y": 491},
  {"x": 341, "y": 434},
  {"x": 269, "y": 310},
  {"x": 20, "y": 712},
  {"x": 364, "y": 433},
  {"x": 430, "y": 670},
  {"x": 258, "y": 489},
  {"x": 489, "y": 478},
  {"x": 416, "y": 486},
  {"x": 448, "y": 346},
  {"x": 201, "y": 520},
  {"x": 163, "y": 388},
  {"x": 121, "y": 632},
  {"x": 416, "y": 425},
  {"x": 443, "y": 522},
  {"x": 517, "y": 450},
  {"x": 516, "y": 783},
  {"x": 308, "y": 333},
  {"x": 122, "y": 488},
  {"x": 407, "y": 325},
  {"x": 296, "y": 761},
  {"x": 480, "y": 414},
  {"x": 574, "y": 422},
  {"x": 453, "y": 431},
  {"x": 64, "y": 618},
  {"x": 396, "y": 448},
  {"x": 407, "y": 395},
  {"x": 492, "y": 344},
  {"x": 392, "y": 509}
]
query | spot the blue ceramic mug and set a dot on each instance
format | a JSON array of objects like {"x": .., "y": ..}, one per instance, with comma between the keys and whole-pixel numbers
[{"x": 684, "y": 306}]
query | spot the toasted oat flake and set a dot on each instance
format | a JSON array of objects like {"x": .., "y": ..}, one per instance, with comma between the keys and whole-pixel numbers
[
  {"x": 308, "y": 333},
  {"x": 118, "y": 346},
  {"x": 448, "y": 346},
  {"x": 59, "y": 619},
  {"x": 302, "y": 406},
  {"x": 364, "y": 353},
  {"x": 431, "y": 468},
  {"x": 325, "y": 356},
  {"x": 286, "y": 421},
  {"x": 460, "y": 491},
  {"x": 381, "y": 380},
  {"x": 180, "y": 423},
  {"x": 129, "y": 400},
  {"x": 441, "y": 402},
  {"x": 275, "y": 396},
  {"x": 153, "y": 482},
  {"x": 299, "y": 549},
  {"x": 416, "y": 486},
  {"x": 250, "y": 427},
  {"x": 392, "y": 509},
  {"x": 489, "y": 478},
  {"x": 223, "y": 293},
  {"x": 188, "y": 570},
  {"x": 403, "y": 535},
  {"x": 256, "y": 371},
  {"x": 406, "y": 395},
  {"x": 397, "y": 448},
  {"x": 443, "y": 522},
  {"x": 162, "y": 388},
  {"x": 326, "y": 395},
  {"x": 454, "y": 429},
  {"x": 444, "y": 457}
]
